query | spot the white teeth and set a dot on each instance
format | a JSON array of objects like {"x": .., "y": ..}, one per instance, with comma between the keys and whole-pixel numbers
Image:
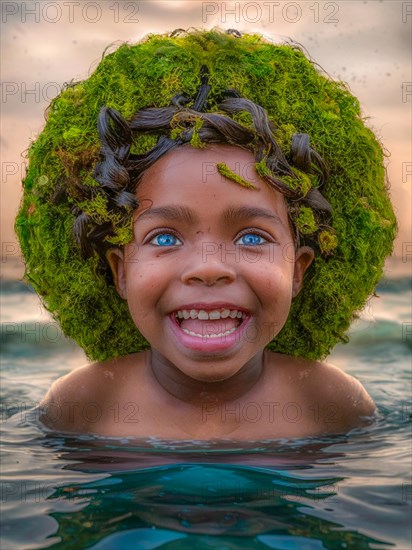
[
  {"x": 209, "y": 335},
  {"x": 214, "y": 314},
  {"x": 202, "y": 315}
]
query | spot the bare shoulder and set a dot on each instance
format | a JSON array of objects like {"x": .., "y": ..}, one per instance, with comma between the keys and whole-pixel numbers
[
  {"x": 342, "y": 393},
  {"x": 75, "y": 399},
  {"x": 82, "y": 380},
  {"x": 339, "y": 399}
]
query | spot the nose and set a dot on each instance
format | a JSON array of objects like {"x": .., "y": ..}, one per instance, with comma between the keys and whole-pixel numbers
[{"x": 208, "y": 268}]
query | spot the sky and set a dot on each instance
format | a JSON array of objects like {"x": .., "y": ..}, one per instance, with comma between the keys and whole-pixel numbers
[{"x": 365, "y": 43}]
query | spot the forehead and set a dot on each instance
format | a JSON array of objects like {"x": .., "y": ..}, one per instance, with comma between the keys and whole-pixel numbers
[{"x": 190, "y": 174}]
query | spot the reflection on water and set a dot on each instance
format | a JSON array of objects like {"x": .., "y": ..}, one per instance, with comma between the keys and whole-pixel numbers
[
  {"x": 144, "y": 495},
  {"x": 348, "y": 492}
]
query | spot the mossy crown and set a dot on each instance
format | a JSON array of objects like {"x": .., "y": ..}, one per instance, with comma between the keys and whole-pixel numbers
[{"x": 297, "y": 97}]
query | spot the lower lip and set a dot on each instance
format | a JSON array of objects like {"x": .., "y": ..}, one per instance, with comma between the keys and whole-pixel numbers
[{"x": 198, "y": 343}]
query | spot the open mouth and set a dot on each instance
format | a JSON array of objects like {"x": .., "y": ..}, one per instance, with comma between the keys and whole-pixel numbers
[{"x": 210, "y": 324}]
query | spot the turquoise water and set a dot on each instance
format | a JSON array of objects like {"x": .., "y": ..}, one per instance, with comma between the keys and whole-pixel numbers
[{"x": 342, "y": 492}]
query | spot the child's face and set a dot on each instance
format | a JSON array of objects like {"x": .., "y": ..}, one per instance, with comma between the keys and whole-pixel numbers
[{"x": 246, "y": 262}]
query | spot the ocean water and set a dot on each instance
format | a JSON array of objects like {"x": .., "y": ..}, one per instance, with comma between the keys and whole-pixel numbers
[{"x": 349, "y": 492}]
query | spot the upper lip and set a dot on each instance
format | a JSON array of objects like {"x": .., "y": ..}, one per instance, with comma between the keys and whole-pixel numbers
[{"x": 210, "y": 306}]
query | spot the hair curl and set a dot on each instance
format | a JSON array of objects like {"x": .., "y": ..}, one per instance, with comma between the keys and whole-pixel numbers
[{"x": 119, "y": 171}]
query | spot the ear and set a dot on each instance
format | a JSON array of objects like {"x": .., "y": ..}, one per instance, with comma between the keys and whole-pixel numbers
[
  {"x": 303, "y": 259},
  {"x": 115, "y": 257}
]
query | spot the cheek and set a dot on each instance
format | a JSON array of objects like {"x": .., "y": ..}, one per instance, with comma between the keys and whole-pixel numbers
[
  {"x": 141, "y": 302},
  {"x": 145, "y": 287},
  {"x": 272, "y": 276}
]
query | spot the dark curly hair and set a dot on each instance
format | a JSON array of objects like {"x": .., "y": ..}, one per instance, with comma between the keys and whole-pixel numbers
[{"x": 119, "y": 171}]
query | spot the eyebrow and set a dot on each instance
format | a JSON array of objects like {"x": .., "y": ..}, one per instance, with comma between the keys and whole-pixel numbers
[{"x": 230, "y": 215}]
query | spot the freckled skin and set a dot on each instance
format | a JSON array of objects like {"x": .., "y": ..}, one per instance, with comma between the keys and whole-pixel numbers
[{"x": 175, "y": 385}]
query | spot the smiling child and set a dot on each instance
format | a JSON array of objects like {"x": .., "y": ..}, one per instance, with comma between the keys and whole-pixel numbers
[{"x": 201, "y": 250}]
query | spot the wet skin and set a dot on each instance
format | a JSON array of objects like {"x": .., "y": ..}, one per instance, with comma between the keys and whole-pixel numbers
[{"x": 215, "y": 250}]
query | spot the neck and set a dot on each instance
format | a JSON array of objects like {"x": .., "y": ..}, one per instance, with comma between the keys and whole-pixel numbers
[{"x": 197, "y": 392}]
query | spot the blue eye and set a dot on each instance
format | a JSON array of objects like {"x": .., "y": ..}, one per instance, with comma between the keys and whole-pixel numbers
[
  {"x": 168, "y": 239},
  {"x": 164, "y": 239},
  {"x": 252, "y": 239}
]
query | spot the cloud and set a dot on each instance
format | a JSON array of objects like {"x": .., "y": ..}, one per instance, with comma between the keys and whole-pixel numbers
[{"x": 368, "y": 47}]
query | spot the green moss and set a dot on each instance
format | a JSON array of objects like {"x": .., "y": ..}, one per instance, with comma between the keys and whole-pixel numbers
[
  {"x": 297, "y": 97},
  {"x": 305, "y": 221},
  {"x": 244, "y": 118},
  {"x": 89, "y": 181},
  {"x": 327, "y": 242},
  {"x": 195, "y": 139},
  {"x": 96, "y": 208},
  {"x": 124, "y": 234},
  {"x": 305, "y": 181},
  {"x": 300, "y": 182},
  {"x": 223, "y": 169},
  {"x": 176, "y": 133},
  {"x": 143, "y": 144},
  {"x": 283, "y": 136},
  {"x": 262, "y": 168}
]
